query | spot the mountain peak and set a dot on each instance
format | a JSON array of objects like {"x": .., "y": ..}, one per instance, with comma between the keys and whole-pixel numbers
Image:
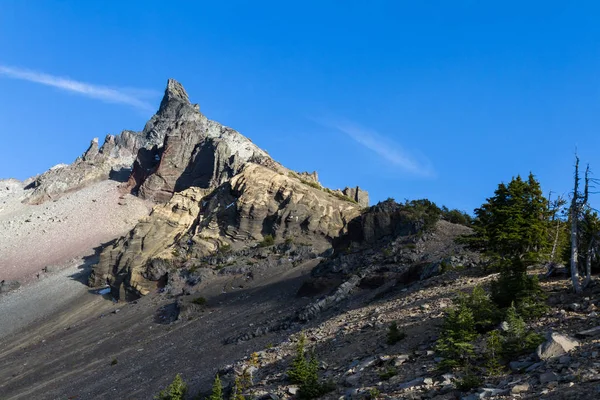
[{"x": 174, "y": 92}]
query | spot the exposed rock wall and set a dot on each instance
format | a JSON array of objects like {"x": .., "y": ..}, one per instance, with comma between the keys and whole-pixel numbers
[
  {"x": 256, "y": 202},
  {"x": 117, "y": 152},
  {"x": 358, "y": 195},
  {"x": 196, "y": 151}
]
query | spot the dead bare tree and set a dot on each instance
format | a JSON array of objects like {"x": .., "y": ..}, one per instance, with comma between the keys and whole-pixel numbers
[{"x": 577, "y": 204}]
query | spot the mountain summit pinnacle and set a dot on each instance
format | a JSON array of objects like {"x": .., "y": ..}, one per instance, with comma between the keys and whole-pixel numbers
[{"x": 174, "y": 92}]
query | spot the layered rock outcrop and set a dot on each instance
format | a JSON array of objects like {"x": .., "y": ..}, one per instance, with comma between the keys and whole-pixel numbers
[{"x": 196, "y": 222}]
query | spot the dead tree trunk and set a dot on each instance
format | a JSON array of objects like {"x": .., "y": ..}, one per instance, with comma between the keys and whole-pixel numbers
[
  {"x": 588, "y": 263},
  {"x": 574, "y": 218}
]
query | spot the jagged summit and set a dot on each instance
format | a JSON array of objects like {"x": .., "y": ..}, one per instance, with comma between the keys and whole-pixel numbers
[{"x": 174, "y": 92}]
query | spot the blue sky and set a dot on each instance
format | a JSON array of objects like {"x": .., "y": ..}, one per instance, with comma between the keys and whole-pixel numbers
[{"x": 436, "y": 99}]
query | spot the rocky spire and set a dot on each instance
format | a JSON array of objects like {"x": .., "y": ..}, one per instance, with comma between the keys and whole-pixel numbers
[{"x": 174, "y": 93}]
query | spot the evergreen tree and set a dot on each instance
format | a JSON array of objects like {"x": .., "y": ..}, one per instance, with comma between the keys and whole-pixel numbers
[
  {"x": 299, "y": 370},
  {"x": 175, "y": 391},
  {"x": 512, "y": 225},
  {"x": 217, "y": 389},
  {"x": 518, "y": 339},
  {"x": 236, "y": 392},
  {"x": 458, "y": 331},
  {"x": 512, "y": 228}
]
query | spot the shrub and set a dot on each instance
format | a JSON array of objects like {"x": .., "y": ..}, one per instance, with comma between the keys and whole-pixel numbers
[
  {"x": 217, "y": 389},
  {"x": 388, "y": 373},
  {"x": 305, "y": 372},
  {"x": 175, "y": 391},
  {"x": 394, "y": 334},
  {"x": 299, "y": 369},
  {"x": 469, "y": 381},
  {"x": 201, "y": 301},
  {"x": 485, "y": 312},
  {"x": 236, "y": 392},
  {"x": 454, "y": 343},
  {"x": 522, "y": 290},
  {"x": 493, "y": 344},
  {"x": 518, "y": 340},
  {"x": 289, "y": 240},
  {"x": 267, "y": 241},
  {"x": 114, "y": 361}
]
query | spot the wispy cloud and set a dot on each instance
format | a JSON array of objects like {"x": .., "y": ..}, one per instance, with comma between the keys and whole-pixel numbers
[
  {"x": 413, "y": 162},
  {"x": 128, "y": 96}
]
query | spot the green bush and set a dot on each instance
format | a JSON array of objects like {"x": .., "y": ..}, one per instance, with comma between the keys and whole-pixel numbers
[
  {"x": 394, "y": 334},
  {"x": 201, "y": 301},
  {"x": 268, "y": 240},
  {"x": 469, "y": 381},
  {"x": 175, "y": 391},
  {"x": 388, "y": 373}
]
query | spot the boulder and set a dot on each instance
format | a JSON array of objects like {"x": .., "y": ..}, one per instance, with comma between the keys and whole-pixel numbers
[{"x": 556, "y": 346}]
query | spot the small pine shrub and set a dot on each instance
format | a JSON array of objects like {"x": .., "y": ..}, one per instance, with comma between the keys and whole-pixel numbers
[
  {"x": 217, "y": 389},
  {"x": 289, "y": 240},
  {"x": 267, "y": 241},
  {"x": 201, "y": 301},
  {"x": 454, "y": 344},
  {"x": 175, "y": 391},
  {"x": 254, "y": 360},
  {"x": 394, "y": 334},
  {"x": 469, "y": 381},
  {"x": 236, "y": 392},
  {"x": 518, "y": 340},
  {"x": 299, "y": 370},
  {"x": 373, "y": 393},
  {"x": 493, "y": 344},
  {"x": 305, "y": 373},
  {"x": 485, "y": 312},
  {"x": 388, "y": 373},
  {"x": 521, "y": 289}
]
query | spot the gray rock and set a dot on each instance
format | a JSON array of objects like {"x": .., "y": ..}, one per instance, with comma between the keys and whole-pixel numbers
[
  {"x": 414, "y": 383},
  {"x": 589, "y": 333},
  {"x": 547, "y": 377},
  {"x": 519, "y": 365},
  {"x": 556, "y": 346},
  {"x": 564, "y": 360},
  {"x": 520, "y": 388}
]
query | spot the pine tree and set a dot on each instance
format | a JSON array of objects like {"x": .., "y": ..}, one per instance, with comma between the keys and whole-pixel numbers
[
  {"x": 299, "y": 370},
  {"x": 512, "y": 228},
  {"x": 217, "y": 389},
  {"x": 175, "y": 391},
  {"x": 236, "y": 392},
  {"x": 518, "y": 339},
  {"x": 485, "y": 312},
  {"x": 494, "y": 350},
  {"x": 454, "y": 343}
]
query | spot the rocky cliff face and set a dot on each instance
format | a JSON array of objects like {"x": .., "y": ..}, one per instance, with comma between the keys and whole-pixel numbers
[
  {"x": 197, "y": 222},
  {"x": 218, "y": 190},
  {"x": 196, "y": 151},
  {"x": 97, "y": 163}
]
